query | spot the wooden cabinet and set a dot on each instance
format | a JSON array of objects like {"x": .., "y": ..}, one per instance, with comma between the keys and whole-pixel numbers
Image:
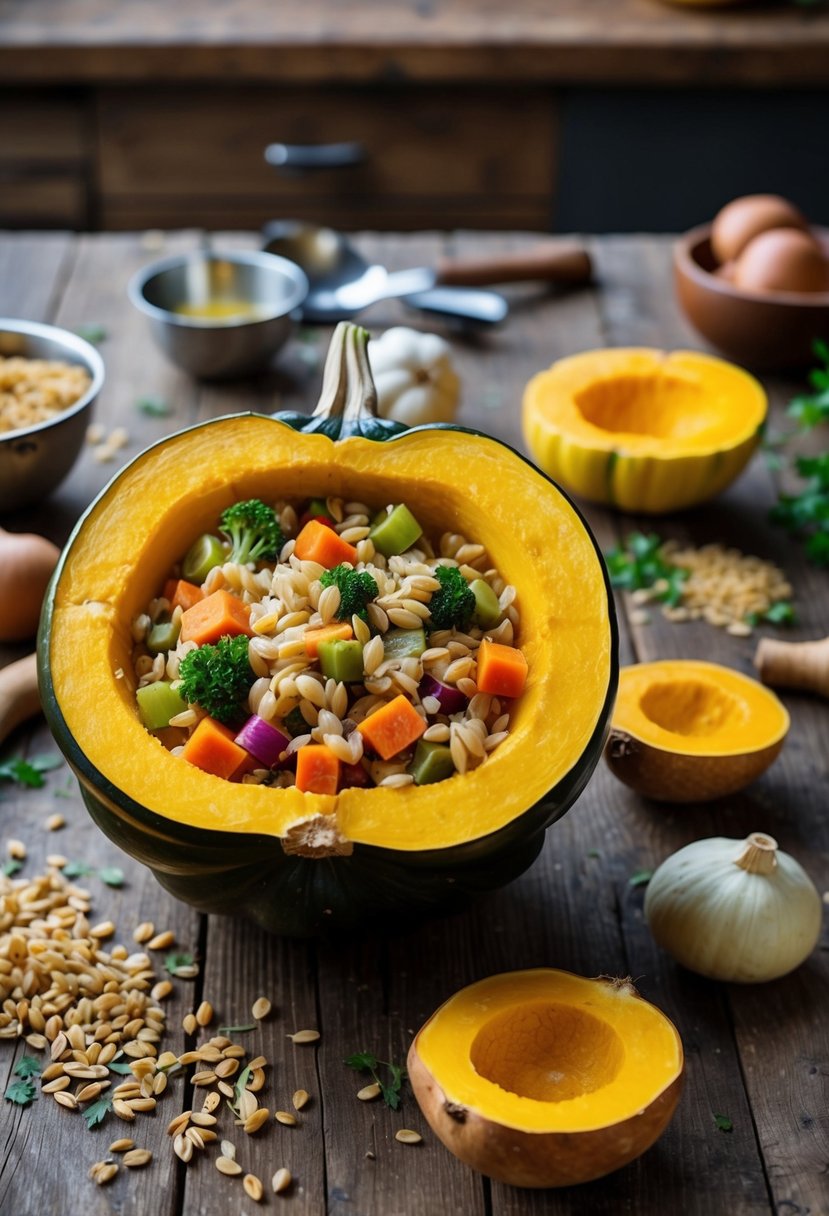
[
  {"x": 433, "y": 157},
  {"x": 44, "y": 160}
]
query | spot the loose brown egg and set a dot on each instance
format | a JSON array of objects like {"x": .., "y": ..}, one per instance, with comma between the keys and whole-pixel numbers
[
  {"x": 782, "y": 260},
  {"x": 26, "y": 565},
  {"x": 745, "y": 218}
]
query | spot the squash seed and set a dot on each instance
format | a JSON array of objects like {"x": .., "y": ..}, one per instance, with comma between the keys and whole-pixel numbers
[
  {"x": 188, "y": 1025},
  {"x": 406, "y": 1136},
  {"x": 204, "y": 1014},
  {"x": 161, "y": 941},
  {"x": 193, "y": 1134},
  {"x": 281, "y": 1180},
  {"x": 203, "y": 1118},
  {"x": 183, "y": 1148},
  {"x": 258, "y": 1119},
  {"x": 369, "y": 1092},
  {"x": 227, "y": 1068},
  {"x": 68, "y": 1100},
  {"x": 300, "y": 1099},
  {"x": 211, "y": 1101},
  {"x": 253, "y": 1187},
  {"x": 228, "y": 1150},
  {"x": 285, "y": 1117},
  {"x": 106, "y": 1173},
  {"x": 122, "y": 1146},
  {"x": 302, "y": 1037},
  {"x": 89, "y": 1092},
  {"x": 54, "y": 823},
  {"x": 143, "y": 932},
  {"x": 206, "y": 1077},
  {"x": 261, "y": 1008},
  {"x": 226, "y": 1166},
  {"x": 55, "y": 1086},
  {"x": 137, "y": 1157}
]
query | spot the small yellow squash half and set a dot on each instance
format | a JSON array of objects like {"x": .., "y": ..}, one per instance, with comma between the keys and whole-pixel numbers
[
  {"x": 544, "y": 1078},
  {"x": 686, "y": 731},
  {"x": 641, "y": 429}
]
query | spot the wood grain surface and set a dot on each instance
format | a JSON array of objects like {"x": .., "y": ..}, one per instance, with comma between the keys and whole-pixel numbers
[
  {"x": 758, "y": 1055},
  {"x": 626, "y": 41}
]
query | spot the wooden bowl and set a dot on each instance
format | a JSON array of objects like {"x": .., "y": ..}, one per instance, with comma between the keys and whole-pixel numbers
[{"x": 770, "y": 331}]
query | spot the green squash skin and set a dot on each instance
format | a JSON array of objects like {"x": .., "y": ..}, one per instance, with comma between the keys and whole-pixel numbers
[{"x": 251, "y": 875}]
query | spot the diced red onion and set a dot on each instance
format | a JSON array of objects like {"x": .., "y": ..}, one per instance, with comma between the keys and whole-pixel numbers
[
  {"x": 452, "y": 701},
  {"x": 264, "y": 742}
]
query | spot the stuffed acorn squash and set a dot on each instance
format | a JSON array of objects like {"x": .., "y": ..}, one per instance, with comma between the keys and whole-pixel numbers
[{"x": 296, "y": 862}]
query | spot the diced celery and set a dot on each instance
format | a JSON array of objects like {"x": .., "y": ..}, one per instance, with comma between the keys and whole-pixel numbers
[
  {"x": 403, "y": 643},
  {"x": 318, "y": 506},
  {"x": 396, "y": 531},
  {"x": 163, "y": 636},
  {"x": 341, "y": 660},
  {"x": 158, "y": 703},
  {"x": 432, "y": 762},
  {"x": 205, "y": 553},
  {"x": 487, "y": 610}
]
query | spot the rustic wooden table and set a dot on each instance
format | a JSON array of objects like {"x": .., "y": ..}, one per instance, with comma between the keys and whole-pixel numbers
[{"x": 759, "y": 1056}]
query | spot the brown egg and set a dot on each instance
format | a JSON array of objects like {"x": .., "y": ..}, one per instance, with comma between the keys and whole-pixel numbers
[
  {"x": 744, "y": 218},
  {"x": 782, "y": 260},
  {"x": 26, "y": 565}
]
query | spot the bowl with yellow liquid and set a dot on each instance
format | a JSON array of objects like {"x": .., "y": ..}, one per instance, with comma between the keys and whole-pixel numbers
[{"x": 219, "y": 315}]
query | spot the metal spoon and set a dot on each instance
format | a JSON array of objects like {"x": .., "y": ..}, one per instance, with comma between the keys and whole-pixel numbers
[{"x": 342, "y": 283}]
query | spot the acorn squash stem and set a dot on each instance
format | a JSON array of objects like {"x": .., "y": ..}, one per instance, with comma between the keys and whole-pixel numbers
[{"x": 348, "y": 390}]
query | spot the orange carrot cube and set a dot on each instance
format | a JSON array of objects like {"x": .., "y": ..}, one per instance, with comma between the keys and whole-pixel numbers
[
  {"x": 216, "y": 616},
  {"x": 211, "y": 747},
  {"x": 502, "y": 670},
  {"x": 317, "y": 769},
  {"x": 182, "y": 594},
  {"x": 341, "y": 631},
  {"x": 393, "y": 727},
  {"x": 319, "y": 543}
]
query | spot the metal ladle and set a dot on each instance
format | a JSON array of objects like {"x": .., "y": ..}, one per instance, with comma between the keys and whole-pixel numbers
[{"x": 343, "y": 283}]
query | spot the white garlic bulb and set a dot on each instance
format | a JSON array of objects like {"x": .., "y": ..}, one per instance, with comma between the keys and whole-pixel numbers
[{"x": 734, "y": 910}]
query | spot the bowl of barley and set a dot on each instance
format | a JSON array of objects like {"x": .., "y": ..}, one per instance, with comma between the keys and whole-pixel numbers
[{"x": 49, "y": 381}]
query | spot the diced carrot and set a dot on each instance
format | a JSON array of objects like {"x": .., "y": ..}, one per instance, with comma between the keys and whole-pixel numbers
[
  {"x": 390, "y": 729},
  {"x": 317, "y": 769},
  {"x": 319, "y": 543},
  {"x": 326, "y": 633},
  {"x": 502, "y": 670},
  {"x": 182, "y": 594},
  {"x": 217, "y": 616},
  {"x": 211, "y": 747}
]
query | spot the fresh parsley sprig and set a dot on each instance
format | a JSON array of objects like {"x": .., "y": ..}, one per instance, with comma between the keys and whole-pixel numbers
[
  {"x": 364, "y": 1061},
  {"x": 29, "y": 772},
  {"x": 639, "y": 564},
  {"x": 24, "y": 1091}
]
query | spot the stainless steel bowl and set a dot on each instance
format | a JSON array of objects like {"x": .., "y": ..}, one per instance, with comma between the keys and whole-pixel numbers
[
  {"x": 34, "y": 460},
  {"x": 271, "y": 287}
]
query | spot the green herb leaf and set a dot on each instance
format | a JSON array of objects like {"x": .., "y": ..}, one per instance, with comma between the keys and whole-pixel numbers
[
  {"x": 97, "y": 1111},
  {"x": 391, "y": 1095},
  {"x": 10, "y": 867},
  {"x": 113, "y": 876},
  {"x": 641, "y": 878},
  {"x": 780, "y": 613},
  {"x": 640, "y": 564},
  {"x": 91, "y": 332},
  {"x": 235, "y": 1029},
  {"x": 22, "y": 772},
  {"x": 362, "y": 1061},
  {"x": 77, "y": 869},
  {"x": 21, "y": 1092},
  {"x": 27, "y": 1066},
  {"x": 593, "y": 853},
  {"x": 120, "y": 1066},
  {"x": 723, "y": 1123},
  {"x": 176, "y": 959},
  {"x": 154, "y": 407}
]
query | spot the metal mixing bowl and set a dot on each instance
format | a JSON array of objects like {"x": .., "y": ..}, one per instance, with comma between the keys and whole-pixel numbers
[
  {"x": 271, "y": 287},
  {"x": 34, "y": 460}
]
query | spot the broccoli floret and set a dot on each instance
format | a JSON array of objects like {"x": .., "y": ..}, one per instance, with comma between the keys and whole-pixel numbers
[
  {"x": 454, "y": 603},
  {"x": 253, "y": 531},
  {"x": 356, "y": 587},
  {"x": 218, "y": 678}
]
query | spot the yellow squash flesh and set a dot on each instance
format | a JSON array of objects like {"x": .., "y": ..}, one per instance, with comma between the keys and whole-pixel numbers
[
  {"x": 641, "y": 429},
  {"x": 175, "y": 491},
  {"x": 544, "y": 1078},
  {"x": 687, "y": 731}
]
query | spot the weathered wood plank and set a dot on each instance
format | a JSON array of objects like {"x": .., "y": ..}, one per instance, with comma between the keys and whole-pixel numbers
[{"x": 32, "y": 268}]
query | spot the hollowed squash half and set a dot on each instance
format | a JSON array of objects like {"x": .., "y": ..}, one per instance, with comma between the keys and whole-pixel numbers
[
  {"x": 297, "y": 862},
  {"x": 544, "y": 1078},
  {"x": 687, "y": 731},
  {"x": 641, "y": 429}
]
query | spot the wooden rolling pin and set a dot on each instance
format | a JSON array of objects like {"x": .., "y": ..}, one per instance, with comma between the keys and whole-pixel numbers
[
  {"x": 19, "y": 697},
  {"x": 803, "y": 665},
  {"x": 563, "y": 262}
]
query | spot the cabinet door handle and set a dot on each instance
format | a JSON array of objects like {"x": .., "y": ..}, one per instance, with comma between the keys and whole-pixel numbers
[{"x": 297, "y": 158}]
